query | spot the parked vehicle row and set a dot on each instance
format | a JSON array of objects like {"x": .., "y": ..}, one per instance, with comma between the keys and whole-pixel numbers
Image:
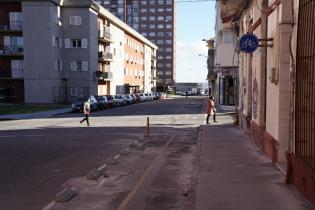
[{"x": 110, "y": 101}]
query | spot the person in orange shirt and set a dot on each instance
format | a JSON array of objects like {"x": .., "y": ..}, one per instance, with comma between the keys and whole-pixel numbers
[{"x": 211, "y": 109}]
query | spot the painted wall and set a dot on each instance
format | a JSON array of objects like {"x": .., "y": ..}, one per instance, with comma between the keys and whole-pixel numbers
[
  {"x": 147, "y": 69},
  {"x": 278, "y": 78},
  {"x": 39, "y": 54},
  {"x": 117, "y": 66}
]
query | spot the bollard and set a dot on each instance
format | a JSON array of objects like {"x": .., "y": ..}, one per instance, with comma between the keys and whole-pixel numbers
[{"x": 148, "y": 126}]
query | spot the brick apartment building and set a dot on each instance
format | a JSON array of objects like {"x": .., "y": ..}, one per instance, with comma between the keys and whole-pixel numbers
[
  {"x": 69, "y": 49},
  {"x": 11, "y": 52},
  {"x": 154, "y": 19}
]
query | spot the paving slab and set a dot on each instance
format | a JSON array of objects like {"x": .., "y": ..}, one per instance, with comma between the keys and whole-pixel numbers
[{"x": 235, "y": 175}]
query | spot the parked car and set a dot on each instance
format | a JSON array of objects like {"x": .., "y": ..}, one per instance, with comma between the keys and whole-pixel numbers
[
  {"x": 77, "y": 105},
  {"x": 129, "y": 99},
  {"x": 142, "y": 97},
  {"x": 136, "y": 97},
  {"x": 119, "y": 100},
  {"x": 101, "y": 102},
  {"x": 110, "y": 101}
]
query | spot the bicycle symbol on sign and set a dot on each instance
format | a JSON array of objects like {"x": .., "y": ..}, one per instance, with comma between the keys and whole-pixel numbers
[{"x": 248, "y": 43}]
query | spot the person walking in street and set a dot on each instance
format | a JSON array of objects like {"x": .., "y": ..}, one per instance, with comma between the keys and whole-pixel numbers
[
  {"x": 86, "y": 111},
  {"x": 186, "y": 94},
  {"x": 211, "y": 109}
]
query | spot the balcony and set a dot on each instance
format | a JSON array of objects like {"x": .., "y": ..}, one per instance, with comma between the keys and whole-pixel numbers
[
  {"x": 105, "y": 36},
  {"x": 11, "y": 74},
  {"x": 105, "y": 56},
  {"x": 104, "y": 76},
  {"x": 15, "y": 26},
  {"x": 13, "y": 50}
]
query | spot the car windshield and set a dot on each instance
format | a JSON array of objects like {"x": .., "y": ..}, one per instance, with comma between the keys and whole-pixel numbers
[{"x": 82, "y": 99}]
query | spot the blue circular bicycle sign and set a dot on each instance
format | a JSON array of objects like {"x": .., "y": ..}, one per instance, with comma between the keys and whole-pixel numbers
[{"x": 248, "y": 43}]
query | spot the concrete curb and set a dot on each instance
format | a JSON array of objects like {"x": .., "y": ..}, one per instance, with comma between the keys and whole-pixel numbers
[{"x": 65, "y": 195}]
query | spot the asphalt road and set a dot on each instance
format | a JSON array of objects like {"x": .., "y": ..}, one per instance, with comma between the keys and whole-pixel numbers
[{"x": 39, "y": 157}]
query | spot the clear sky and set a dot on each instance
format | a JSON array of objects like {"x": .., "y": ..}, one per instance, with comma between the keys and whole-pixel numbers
[{"x": 195, "y": 21}]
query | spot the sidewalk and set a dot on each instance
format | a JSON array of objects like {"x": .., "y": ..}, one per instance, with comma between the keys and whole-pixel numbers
[
  {"x": 234, "y": 175},
  {"x": 35, "y": 115}
]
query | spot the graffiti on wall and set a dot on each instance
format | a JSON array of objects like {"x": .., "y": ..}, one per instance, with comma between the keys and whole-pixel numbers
[{"x": 255, "y": 97}]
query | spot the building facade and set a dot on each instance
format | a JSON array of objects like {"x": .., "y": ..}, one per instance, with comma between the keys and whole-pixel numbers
[
  {"x": 11, "y": 52},
  {"x": 77, "y": 48},
  {"x": 226, "y": 62},
  {"x": 276, "y": 103},
  {"x": 154, "y": 19}
]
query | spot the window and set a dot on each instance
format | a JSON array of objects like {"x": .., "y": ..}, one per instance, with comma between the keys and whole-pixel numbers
[
  {"x": 228, "y": 37},
  {"x": 168, "y": 72},
  {"x": 160, "y": 33},
  {"x": 17, "y": 68},
  {"x": 120, "y": 10},
  {"x": 168, "y": 81},
  {"x": 169, "y": 1},
  {"x": 58, "y": 65},
  {"x": 160, "y": 49},
  {"x": 152, "y": 2},
  {"x": 169, "y": 9},
  {"x": 144, "y": 33},
  {"x": 144, "y": 2},
  {"x": 168, "y": 41},
  {"x": 160, "y": 57},
  {"x": 56, "y": 42},
  {"x": 144, "y": 26},
  {"x": 74, "y": 91},
  {"x": 160, "y": 65},
  {"x": 76, "y": 43},
  {"x": 152, "y": 34},
  {"x": 160, "y": 9},
  {"x": 135, "y": 26},
  {"x": 75, "y": 20},
  {"x": 169, "y": 26},
  {"x": 16, "y": 20},
  {"x": 152, "y": 26},
  {"x": 161, "y": 26},
  {"x": 152, "y": 10},
  {"x": 160, "y": 41},
  {"x": 144, "y": 18},
  {"x": 160, "y": 81},
  {"x": 79, "y": 66},
  {"x": 144, "y": 10},
  {"x": 168, "y": 65},
  {"x": 168, "y": 34},
  {"x": 159, "y": 73},
  {"x": 168, "y": 57},
  {"x": 160, "y": 18},
  {"x": 160, "y": 1},
  {"x": 168, "y": 18},
  {"x": 152, "y": 18},
  {"x": 168, "y": 49}
]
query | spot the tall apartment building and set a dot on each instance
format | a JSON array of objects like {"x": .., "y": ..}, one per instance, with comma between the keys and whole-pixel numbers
[
  {"x": 70, "y": 49},
  {"x": 154, "y": 19}
]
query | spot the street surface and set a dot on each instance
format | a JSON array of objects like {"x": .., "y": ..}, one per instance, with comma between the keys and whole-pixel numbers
[{"x": 40, "y": 157}]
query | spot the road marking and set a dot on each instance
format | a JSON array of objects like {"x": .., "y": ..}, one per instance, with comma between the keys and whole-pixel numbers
[
  {"x": 124, "y": 204},
  {"x": 11, "y": 136},
  {"x": 51, "y": 204}
]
